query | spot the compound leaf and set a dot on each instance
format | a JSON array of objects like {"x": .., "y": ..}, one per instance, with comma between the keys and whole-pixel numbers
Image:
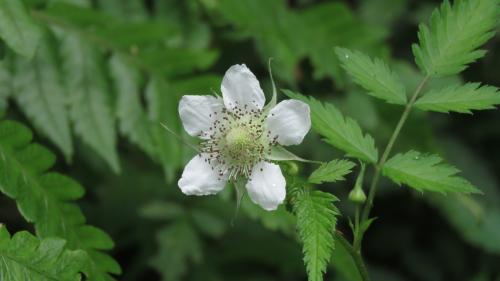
[
  {"x": 460, "y": 98},
  {"x": 426, "y": 172},
  {"x": 40, "y": 94},
  {"x": 47, "y": 199},
  {"x": 131, "y": 115},
  {"x": 90, "y": 97},
  {"x": 17, "y": 28},
  {"x": 332, "y": 171},
  {"x": 316, "y": 220},
  {"x": 25, "y": 257},
  {"x": 453, "y": 36},
  {"x": 373, "y": 75},
  {"x": 343, "y": 133}
]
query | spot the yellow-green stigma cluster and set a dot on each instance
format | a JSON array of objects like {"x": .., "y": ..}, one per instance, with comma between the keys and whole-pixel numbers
[{"x": 236, "y": 141}]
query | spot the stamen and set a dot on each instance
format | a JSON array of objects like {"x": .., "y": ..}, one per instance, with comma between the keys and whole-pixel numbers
[{"x": 236, "y": 141}]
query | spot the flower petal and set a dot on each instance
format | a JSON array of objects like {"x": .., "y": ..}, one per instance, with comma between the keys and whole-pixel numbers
[
  {"x": 266, "y": 186},
  {"x": 289, "y": 121},
  {"x": 240, "y": 87},
  {"x": 198, "y": 178},
  {"x": 197, "y": 113}
]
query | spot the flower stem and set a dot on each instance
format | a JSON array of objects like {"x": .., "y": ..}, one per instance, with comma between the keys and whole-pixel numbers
[
  {"x": 378, "y": 167},
  {"x": 356, "y": 256}
]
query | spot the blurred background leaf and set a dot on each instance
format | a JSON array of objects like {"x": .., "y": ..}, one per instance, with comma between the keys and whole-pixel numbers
[{"x": 105, "y": 73}]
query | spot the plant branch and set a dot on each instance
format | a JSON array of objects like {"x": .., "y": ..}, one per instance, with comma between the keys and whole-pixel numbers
[
  {"x": 356, "y": 256},
  {"x": 378, "y": 167}
]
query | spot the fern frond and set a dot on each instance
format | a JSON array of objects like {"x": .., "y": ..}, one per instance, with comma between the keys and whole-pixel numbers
[
  {"x": 451, "y": 40},
  {"x": 90, "y": 97},
  {"x": 24, "y": 257},
  {"x": 47, "y": 199},
  {"x": 41, "y": 96},
  {"x": 316, "y": 220}
]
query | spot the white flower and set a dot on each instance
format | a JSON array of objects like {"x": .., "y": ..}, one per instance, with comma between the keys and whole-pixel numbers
[{"x": 238, "y": 136}]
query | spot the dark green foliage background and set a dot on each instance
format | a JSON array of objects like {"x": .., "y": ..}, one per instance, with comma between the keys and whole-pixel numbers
[{"x": 174, "y": 47}]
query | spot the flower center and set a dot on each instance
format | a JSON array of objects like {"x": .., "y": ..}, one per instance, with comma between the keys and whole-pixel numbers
[{"x": 237, "y": 141}]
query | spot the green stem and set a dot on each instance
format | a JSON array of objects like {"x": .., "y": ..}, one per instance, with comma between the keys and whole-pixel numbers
[
  {"x": 356, "y": 256},
  {"x": 378, "y": 167},
  {"x": 356, "y": 244}
]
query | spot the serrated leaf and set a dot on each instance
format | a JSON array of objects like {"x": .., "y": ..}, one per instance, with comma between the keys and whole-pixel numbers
[
  {"x": 316, "y": 220},
  {"x": 90, "y": 98},
  {"x": 339, "y": 131},
  {"x": 17, "y": 28},
  {"x": 373, "y": 75},
  {"x": 455, "y": 32},
  {"x": 426, "y": 173},
  {"x": 41, "y": 96},
  {"x": 162, "y": 108},
  {"x": 460, "y": 98},
  {"x": 319, "y": 22},
  {"x": 332, "y": 171},
  {"x": 178, "y": 245},
  {"x": 47, "y": 199},
  {"x": 25, "y": 257},
  {"x": 133, "y": 119}
]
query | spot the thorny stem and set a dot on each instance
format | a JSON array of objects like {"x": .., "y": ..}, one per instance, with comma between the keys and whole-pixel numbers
[
  {"x": 356, "y": 256},
  {"x": 378, "y": 167}
]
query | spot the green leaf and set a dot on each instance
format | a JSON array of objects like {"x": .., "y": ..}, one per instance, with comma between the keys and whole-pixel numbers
[
  {"x": 332, "y": 171},
  {"x": 25, "y": 257},
  {"x": 453, "y": 36},
  {"x": 90, "y": 97},
  {"x": 271, "y": 26},
  {"x": 17, "y": 28},
  {"x": 373, "y": 75},
  {"x": 6, "y": 84},
  {"x": 460, "y": 98},
  {"x": 278, "y": 220},
  {"x": 316, "y": 220},
  {"x": 134, "y": 122},
  {"x": 343, "y": 262},
  {"x": 332, "y": 23},
  {"x": 47, "y": 199},
  {"x": 343, "y": 133},
  {"x": 162, "y": 108},
  {"x": 178, "y": 245},
  {"x": 426, "y": 172},
  {"x": 41, "y": 96},
  {"x": 150, "y": 45}
]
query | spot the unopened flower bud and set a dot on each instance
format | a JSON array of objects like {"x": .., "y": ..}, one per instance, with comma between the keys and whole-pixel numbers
[{"x": 357, "y": 195}]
